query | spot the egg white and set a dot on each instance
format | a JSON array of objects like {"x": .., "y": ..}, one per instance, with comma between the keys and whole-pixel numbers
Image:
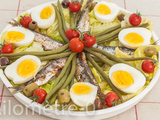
[
  {"x": 28, "y": 39},
  {"x": 84, "y": 100},
  {"x": 139, "y": 78},
  {"x": 42, "y": 23},
  {"x": 110, "y": 17},
  {"x": 145, "y": 33},
  {"x": 11, "y": 70}
]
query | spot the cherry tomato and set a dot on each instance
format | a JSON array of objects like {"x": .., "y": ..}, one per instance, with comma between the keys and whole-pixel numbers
[
  {"x": 41, "y": 93},
  {"x": 76, "y": 45},
  {"x": 89, "y": 40},
  {"x": 112, "y": 99},
  {"x": 25, "y": 21},
  {"x": 70, "y": 33},
  {"x": 148, "y": 66},
  {"x": 135, "y": 19},
  {"x": 7, "y": 48},
  {"x": 74, "y": 6}
]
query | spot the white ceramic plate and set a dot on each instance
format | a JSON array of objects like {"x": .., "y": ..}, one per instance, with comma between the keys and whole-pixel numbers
[{"x": 95, "y": 115}]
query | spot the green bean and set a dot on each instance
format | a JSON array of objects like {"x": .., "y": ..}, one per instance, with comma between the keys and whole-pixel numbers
[
  {"x": 50, "y": 57},
  {"x": 105, "y": 60},
  {"x": 104, "y": 76},
  {"x": 67, "y": 50},
  {"x": 108, "y": 30},
  {"x": 77, "y": 17},
  {"x": 138, "y": 58},
  {"x": 109, "y": 39},
  {"x": 62, "y": 16},
  {"x": 60, "y": 76},
  {"x": 52, "y": 100},
  {"x": 111, "y": 34},
  {"x": 3, "y": 67},
  {"x": 72, "y": 19},
  {"x": 14, "y": 58},
  {"x": 100, "y": 64},
  {"x": 44, "y": 53},
  {"x": 72, "y": 82},
  {"x": 96, "y": 59},
  {"x": 61, "y": 32}
]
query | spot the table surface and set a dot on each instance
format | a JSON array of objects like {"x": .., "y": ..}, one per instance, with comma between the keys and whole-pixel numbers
[{"x": 147, "y": 109}]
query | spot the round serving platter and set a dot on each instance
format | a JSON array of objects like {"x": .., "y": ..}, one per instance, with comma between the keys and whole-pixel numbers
[{"x": 71, "y": 115}]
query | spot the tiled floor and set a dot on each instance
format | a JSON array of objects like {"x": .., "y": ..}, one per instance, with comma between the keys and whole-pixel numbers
[{"x": 147, "y": 109}]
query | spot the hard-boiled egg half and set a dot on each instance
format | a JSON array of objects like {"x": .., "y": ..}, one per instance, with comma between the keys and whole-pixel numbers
[
  {"x": 44, "y": 16},
  {"x": 106, "y": 11},
  {"x": 19, "y": 36},
  {"x": 135, "y": 37},
  {"x": 23, "y": 69},
  {"x": 126, "y": 78},
  {"x": 83, "y": 94}
]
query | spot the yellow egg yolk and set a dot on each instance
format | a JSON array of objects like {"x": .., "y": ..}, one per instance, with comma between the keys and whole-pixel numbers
[
  {"x": 103, "y": 9},
  {"x": 122, "y": 79},
  {"x": 27, "y": 68},
  {"x": 14, "y": 36},
  {"x": 134, "y": 39},
  {"x": 81, "y": 89},
  {"x": 47, "y": 12}
]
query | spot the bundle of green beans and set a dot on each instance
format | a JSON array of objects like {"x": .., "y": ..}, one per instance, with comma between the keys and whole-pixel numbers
[
  {"x": 104, "y": 76},
  {"x": 113, "y": 57},
  {"x": 42, "y": 53},
  {"x": 61, "y": 81},
  {"x": 61, "y": 23},
  {"x": 112, "y": 33}
]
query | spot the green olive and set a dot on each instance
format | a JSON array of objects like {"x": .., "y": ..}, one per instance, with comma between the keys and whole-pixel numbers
[
  {"x": 150, "y": 51},
  {"x": 64, "y": 96},
  {"x": 29, "y": 89}
]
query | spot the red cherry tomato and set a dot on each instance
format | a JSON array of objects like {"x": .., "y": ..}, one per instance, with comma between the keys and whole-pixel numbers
[
  {"x": 74, "y": 6},
  {"x": 135, "y": 19},
  {"x": 25, "y": 21},
  {"x": 41, "y": 93},
  {"x": 70, "y": 33},
  {"x": 76, "y": 45},
  {"x": 89, "y": 40},
  {"x": 7, "y": 48},
  {"x": 112, "y": 99},
  {"x": 148, "y": 66}
]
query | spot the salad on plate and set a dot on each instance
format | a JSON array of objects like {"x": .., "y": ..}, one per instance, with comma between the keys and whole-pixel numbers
[{"x": 88, "y": 54}]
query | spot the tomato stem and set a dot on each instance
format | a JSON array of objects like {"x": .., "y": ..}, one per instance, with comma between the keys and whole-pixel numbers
[
  {"x": 154, "y": 62},
  {"x": 34, "y": 98},
  {"x": 138, "y": 13},
  {"x": 75, "y": 1},
  {"x": 115, "y": 102}
]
